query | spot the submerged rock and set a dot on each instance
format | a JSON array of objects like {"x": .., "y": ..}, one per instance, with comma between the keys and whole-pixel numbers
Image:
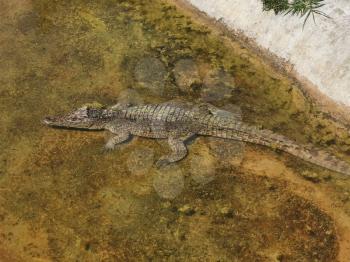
[
  {"x": 186, "y": 74},
  {"x": 121, "y": 207},
  {"x": 218, "y": 85},
  {"x": 140, "y": 161},
  {"x": 169, "y": 182},
  {"x": 226, "y": 211},
  {"x": 130, "y": 96},
  {"x": 228, "y": 152},
  {"x": 151, "y": 73},
  {"x": 202, "y": 167},
  {"x": 28, "y": 22},
  {"x": 187, "y": 210}
]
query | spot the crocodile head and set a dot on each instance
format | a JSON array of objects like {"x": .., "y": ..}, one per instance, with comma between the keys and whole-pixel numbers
[{"x": 87, "y": 117}]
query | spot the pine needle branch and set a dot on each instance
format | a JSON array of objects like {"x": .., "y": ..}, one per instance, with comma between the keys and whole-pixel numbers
[{"x": 299, "y": 8}]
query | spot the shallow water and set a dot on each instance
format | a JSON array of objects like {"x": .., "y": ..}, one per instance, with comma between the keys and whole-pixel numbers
[{"x": 64, "y": 199}]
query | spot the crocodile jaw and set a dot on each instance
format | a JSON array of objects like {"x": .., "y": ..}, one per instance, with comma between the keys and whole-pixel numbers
[
  {"x": 78, "y": 119},
  {"x": 61, "y": 122}
]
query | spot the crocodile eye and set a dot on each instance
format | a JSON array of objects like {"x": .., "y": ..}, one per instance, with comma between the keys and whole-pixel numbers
[{"x": 93, "y": 113}]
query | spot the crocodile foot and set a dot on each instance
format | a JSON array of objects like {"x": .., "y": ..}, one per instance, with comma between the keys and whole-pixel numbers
[{"x": 162, "y": 162}]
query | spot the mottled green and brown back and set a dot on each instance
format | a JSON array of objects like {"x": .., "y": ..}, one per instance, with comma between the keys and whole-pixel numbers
[{"x": 180, "y": 119}]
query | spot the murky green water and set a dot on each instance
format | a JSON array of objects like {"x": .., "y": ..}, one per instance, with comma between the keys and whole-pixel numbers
[{"x": 64, "y": 199}]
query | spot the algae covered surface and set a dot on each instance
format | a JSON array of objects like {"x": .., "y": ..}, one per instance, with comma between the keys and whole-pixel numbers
[{"x": 64, "y": 199}]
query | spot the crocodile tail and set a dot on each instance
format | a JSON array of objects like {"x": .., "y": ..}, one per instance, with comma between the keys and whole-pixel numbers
[
  {"x": 242, "y": 132},
  {"x": 314, "y": 155},
  {"x": 308, "y": 153}
]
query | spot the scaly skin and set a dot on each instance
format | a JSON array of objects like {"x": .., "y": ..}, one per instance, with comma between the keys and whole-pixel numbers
[{"x": 178, "y": 122}]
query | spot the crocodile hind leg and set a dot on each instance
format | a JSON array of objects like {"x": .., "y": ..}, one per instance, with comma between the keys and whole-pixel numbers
[
  {"x": 117, "y": 139},
  {"x": 178, "y": 148}
]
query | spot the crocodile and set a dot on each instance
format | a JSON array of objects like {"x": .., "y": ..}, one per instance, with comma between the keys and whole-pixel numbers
[{"x": 178, "y": 122}]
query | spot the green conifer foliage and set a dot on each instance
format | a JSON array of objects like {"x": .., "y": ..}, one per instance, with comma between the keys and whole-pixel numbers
[{"x": 302, "y": 8}]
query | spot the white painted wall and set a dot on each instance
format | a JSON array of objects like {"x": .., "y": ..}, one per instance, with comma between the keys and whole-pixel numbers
[{"x": 320, "y": 53}]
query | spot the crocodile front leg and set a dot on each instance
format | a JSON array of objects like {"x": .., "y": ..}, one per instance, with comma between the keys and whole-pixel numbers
[
  {"x": 121, "y": 134},
  {"x": 117, "y": 139},
  {"x": 178, "y": 148}
]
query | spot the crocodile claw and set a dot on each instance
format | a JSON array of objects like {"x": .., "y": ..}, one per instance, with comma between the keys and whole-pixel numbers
[
  {"x": 162, "y": 162},
  {"x": 108, "y": 148}
]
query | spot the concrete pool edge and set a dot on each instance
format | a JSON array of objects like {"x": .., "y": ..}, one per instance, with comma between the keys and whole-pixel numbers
[{"x": 324, "y": 103}]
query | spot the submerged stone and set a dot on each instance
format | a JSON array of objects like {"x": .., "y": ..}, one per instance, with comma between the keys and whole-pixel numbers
[
  {"x": 228, "y": 153},
  {"x": 151, "y": 73},
  {"x": 140, "y": 161},
  {"x": 28, "y": 22},
  {"x": 202, "y": 167},
  {"x": 130, "y": 97},
  {"x": 218, "y": 85},
  {"x": 187, "y": 210},
  {"x": 169, "y": 182},
  {"x": 186, "y": 74},
  {"x": 226, "y": 211}
]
